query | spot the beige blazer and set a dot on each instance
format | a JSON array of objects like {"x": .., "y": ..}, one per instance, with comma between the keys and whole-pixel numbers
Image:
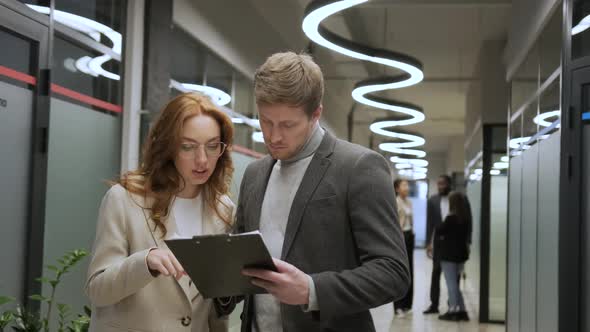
[{"x": 123, "y": 293}]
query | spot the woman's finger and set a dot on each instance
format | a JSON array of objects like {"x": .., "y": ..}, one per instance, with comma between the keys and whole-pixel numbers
[
  {"x": 177, "y": 266},
  {"x": 161, "y": 268},
  {"x": 169, "y": 266}
]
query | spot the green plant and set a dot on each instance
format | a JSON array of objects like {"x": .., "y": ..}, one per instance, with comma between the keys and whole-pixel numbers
[
  {"x": 7, "y": 317},
  {"x": 23, "y": 320},
  {"x": 26, "y": 321}
]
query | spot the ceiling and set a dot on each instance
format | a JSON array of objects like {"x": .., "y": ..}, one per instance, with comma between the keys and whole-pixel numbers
[{"x": 445, "y": 35}]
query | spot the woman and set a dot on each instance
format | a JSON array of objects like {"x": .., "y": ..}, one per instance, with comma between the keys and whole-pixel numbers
[
  {"x": 453, "y": 243},
  {"x": 404, "y": 212},
  {"x": 134, "y": 281}
]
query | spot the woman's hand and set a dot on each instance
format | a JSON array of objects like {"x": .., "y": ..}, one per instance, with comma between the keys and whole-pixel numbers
[{"x": 163, "y": 261}]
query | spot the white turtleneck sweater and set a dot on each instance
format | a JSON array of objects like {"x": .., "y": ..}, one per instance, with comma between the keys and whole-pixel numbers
[{"x": 284, "y": 181}]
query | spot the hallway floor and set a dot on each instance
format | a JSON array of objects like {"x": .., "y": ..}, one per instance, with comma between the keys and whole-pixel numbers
[{"x": 416, "y": 321}]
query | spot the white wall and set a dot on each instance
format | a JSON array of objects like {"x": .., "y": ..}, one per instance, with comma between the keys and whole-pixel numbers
[
  {"x": 437, "y": 165},
  {"x": 456, "y": 155}
]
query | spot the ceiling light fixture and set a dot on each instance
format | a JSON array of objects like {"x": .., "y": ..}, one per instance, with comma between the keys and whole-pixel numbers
[
  {"x": 403, "y": 166},
  {"x": 91, "y": 66},
  {"x": 217, "y": 96},
  {"x": 319, "y": 10},
  {"x": 412, "y": 140},
  {"x": 407, "y": 140},
  {"x": 394, "y": 148},
  {"x": 518, "y": 143},
  {"x": 413, "y": 162},
  {"x": 501, "y": 165},
  {"x": 423, "y": 170},
  {"x": 258, "y": 137},
  {"x": 412, "y": 174},
  {"x": 582, "y": 26},
  {"x": 541, "y": 119}
]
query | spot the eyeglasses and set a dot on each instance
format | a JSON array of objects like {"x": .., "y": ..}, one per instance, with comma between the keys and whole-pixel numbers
[{"x": 212, "y": 150}]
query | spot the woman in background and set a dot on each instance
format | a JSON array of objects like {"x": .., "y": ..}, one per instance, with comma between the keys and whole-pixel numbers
[
  {"x": 180, "y": 190},
  {"x": 404, "y": 212},
  {"x": 453, "y": 243}
]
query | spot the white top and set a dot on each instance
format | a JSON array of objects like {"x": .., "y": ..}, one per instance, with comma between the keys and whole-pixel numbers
[
  {"x": 444, "y": 207},
  {"x": 188, "y": 214},
  {"x": 404, "y": 212}
]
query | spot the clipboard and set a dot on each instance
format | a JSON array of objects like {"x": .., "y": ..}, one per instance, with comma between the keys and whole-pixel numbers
[{"x": 214, "y": 262}]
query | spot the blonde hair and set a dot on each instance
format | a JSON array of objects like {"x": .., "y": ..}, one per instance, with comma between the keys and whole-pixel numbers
[
  {"x": 158, "y": 178},
  {"x": 291, "y": 79}
]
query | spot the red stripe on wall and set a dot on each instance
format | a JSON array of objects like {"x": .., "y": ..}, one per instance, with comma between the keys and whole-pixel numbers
[
  {"x": 85, "y": 99},
  {"x": 17, "y": 75},
  {"x": 246, "y": 151}
]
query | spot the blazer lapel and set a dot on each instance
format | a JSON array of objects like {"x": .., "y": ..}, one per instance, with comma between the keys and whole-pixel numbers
[
  {"x": 311, "y": 179},
  {"x": 184, "y": 283},
  {"x": 259, "y": 189}
]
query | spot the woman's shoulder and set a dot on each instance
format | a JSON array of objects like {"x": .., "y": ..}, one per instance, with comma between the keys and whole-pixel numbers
[
  {"x": 122, "y": 196},
  {"x": 117, "y": 190}
]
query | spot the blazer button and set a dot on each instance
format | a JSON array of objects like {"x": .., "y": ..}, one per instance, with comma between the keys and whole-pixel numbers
[{"x": 186, "y": 321}]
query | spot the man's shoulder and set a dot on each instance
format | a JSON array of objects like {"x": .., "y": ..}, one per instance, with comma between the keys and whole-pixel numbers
[
  {"x": 352, "y": 152},
  {"x": 257, "y": 164},
  {"x": 433, "y": 198}
]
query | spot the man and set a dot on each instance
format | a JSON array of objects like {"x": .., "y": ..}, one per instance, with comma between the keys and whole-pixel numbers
[
  {"x": 437, "y": 210},
  {"x": 324, "y": 206}
]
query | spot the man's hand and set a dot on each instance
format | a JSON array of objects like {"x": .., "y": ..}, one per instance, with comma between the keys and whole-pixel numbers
[
  {"x": 429, "y": 251},
  {"x": 289, "y": 285}
]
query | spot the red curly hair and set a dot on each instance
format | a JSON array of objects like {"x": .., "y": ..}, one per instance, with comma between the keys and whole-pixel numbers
[{"x": 158, "y": 178}]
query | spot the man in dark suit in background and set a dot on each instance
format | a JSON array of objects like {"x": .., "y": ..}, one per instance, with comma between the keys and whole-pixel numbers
[
  {"x": 326, "y": 209},
  {"x": 437, "y": 210}
]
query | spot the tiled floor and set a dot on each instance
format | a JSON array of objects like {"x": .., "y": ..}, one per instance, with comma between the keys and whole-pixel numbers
[{"x": 416, "y": 321}]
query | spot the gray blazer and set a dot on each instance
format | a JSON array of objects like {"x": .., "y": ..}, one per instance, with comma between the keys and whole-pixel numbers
[{"x": 342, "y": 231}]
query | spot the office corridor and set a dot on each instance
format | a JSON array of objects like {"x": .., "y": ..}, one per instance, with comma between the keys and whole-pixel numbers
[{"x": 416, "y": 321}]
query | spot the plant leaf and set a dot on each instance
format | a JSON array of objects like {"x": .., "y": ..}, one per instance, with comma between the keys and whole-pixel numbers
[
  {"x": 43, "y": 280},
  {"x": 52, "y": 268},
  {"x": 5, "y": 299},
  {"x": 37, "y": 297}
]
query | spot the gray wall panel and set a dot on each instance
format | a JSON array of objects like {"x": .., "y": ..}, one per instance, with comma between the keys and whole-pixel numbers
[
  {"x": 84, "y": 151},
  {"x": 528, "y": 284},
  {"x": 548, "y": 232},
  {"x": 514, "y": 245},
  {"x": 15, "y": 152},
  {"x": 473, "y": 265},
  {"x": 528, "y": 19},
  {"x": 498, "y": 242}
]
